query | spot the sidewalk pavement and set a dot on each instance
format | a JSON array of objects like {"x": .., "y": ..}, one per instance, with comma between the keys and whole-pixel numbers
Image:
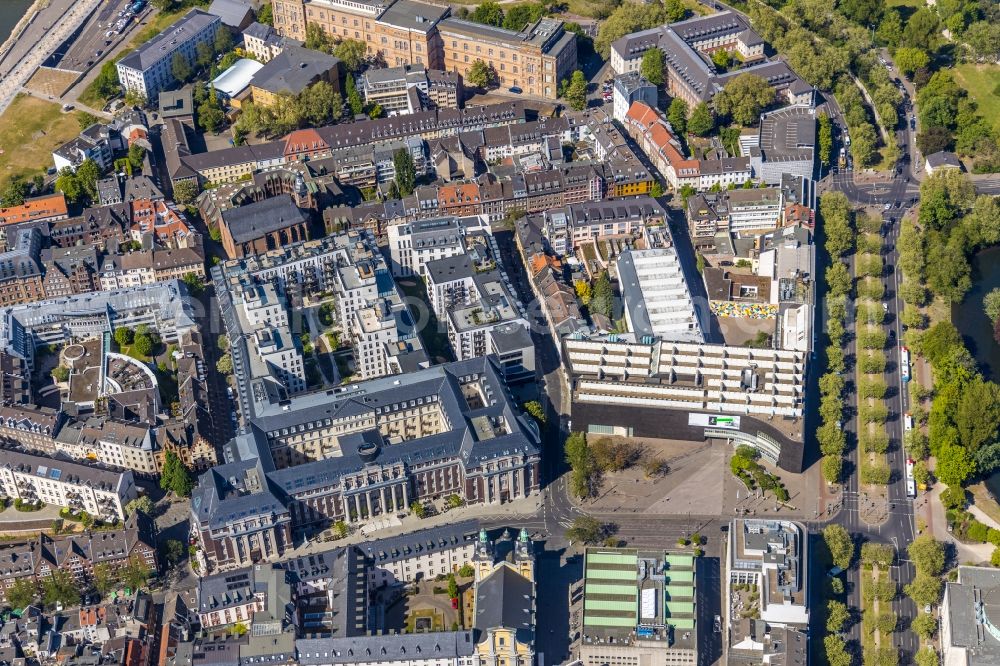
[
  {"x": 520, "y": 509},
  {"x": 930, "y": 509}
]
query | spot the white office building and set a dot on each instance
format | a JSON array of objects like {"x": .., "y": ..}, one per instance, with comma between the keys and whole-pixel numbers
[{"x": 149, "y": 69}]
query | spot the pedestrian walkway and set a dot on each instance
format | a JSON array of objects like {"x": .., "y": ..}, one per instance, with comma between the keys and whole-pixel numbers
[
  {"x": 929, "y": 508},
  {"x": 522, "y": 509}
]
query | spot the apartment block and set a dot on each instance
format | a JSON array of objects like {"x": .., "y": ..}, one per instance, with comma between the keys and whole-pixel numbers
[
  {"x": 413, "y": 245},
  {"x": 410, "y": 88},
  {"x": 37, "y": 558},
  {"x": 149, "y": 69},
  {"x": 472, "y": 300},
  {"x": 100, "y": 492},
  {"x": 274, "y": 352}
]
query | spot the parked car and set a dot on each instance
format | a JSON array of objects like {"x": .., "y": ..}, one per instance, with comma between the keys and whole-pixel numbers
[{"x": 515, "y": 90}]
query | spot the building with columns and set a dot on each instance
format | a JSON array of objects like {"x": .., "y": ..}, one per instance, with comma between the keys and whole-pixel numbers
[{"x": 365, "y": 451}]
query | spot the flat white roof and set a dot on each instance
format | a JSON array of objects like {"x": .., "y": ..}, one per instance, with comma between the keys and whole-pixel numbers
[{"x": 235, "y": 80}]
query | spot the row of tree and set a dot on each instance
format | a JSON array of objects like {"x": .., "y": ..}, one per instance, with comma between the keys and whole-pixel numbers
[{"x": 838, "y": 222}]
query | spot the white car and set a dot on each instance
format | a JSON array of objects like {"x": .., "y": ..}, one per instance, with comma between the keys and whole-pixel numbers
[{"x": 887, "y": 206}]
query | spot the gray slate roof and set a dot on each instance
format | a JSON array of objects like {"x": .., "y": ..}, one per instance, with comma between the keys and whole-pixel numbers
[
  {"x": 293, "y": 70},
  {"x": 256, "y": 219},
  {"x": 444, "y": 646},
  {"x": 506, "y": 599},
  {"x": 150, "y": 53}
]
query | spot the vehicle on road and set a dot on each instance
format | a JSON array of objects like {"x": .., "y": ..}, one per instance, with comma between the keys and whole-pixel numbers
[
  {"x": 904, "y": 363},
  {"x": 515, "y": 90},
  {"x": 887, "y": 206},
  {"x": 911, "y": 485}
]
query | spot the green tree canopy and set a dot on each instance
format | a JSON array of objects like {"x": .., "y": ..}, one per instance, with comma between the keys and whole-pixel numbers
[
  {"x": 652, "y": 66},
  {"x": 482, "y": 75},
  {"x": 352, "y": 53},
  {"x": 701, "y": 121},
  {"x": 927, "y": 555},
  {"x": 840, "y": 545},
  {"x": 677, "y": 114},
  {"x": 743, "y": 99},
  {"x": 587, "y": 530},
  {"x": 181, "y": 68},
  {"x": 22, "y": 593},
  {"x": 406, "y": 173},
  {"x": 575, "y": 92},
  {"x": 175, "y": 477},
  {"x": 488, "y": 13},
  {"x": 144, "y": 504}
]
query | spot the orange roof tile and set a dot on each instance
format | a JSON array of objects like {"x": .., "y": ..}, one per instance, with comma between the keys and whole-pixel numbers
[{"x": 39, "y": 208}]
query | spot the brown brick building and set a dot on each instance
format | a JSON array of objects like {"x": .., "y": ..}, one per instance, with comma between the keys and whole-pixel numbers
[{"x": 534, "y": 59}]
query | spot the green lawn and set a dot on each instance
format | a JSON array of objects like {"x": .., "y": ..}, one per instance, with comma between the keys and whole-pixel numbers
[
  {"x": 980, "y": 81},
  {"x": 30, "y": 129}
]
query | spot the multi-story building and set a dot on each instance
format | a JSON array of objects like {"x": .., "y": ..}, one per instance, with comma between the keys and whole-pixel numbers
[
  {"x": 568, "y": 227},
  {"x": 36, "y": 559},
  {"x": 410, "y": 88},
  {"x": 292, "y": 71},
  {"x": 650, "y": 130},
  {"x": 535, "y": 59},
  {"x": 163, "y": 306},
  {"x": 639, "y": 608},
  {"x": 369, "y": 308},
  {"x": 274, "y": 353},
  {"x": 21, "y": 279},
  {"x": 749, "y": 396},
  {"x": 237, "y": 596},
  {"x": 630, "y": 87},
  {"x": 144, "y": 267},
  {"x": 149, "y": 69},
  {"x": 751, "y": 210},
  {"x": 46, "y": 208},
  {"x": 232, "y": 164},
  {"x": 413, "y": 245},
  {"x": 721, "y": 31},
  {"x": 71, "y": 270},
  {"x": 787, "y": 145},
  {"x": 769, "y": 557},
  {"x": 687, "y": 48},
  {"x": 970, "y": 618},
  {"x": 30, "y": 426},
  {"x": 100, "y": 492},
  {"x": 472, "y": 302},
  {"x": 655, "y": 295},
  {"x": 263, "y": 42},
  {"x": 363, "y": 451},
  {"x": 97, "y": 142}
]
